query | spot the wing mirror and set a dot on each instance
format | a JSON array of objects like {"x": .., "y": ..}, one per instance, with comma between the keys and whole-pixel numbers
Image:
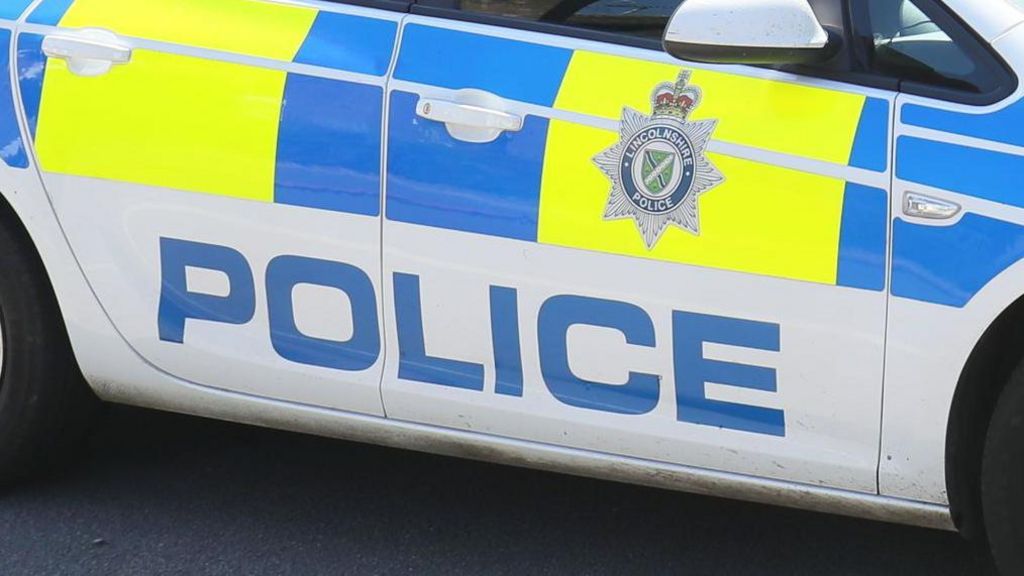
[{"x": 748, "y": 32}]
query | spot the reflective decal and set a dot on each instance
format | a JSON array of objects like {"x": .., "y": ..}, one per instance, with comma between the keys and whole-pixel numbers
[
  {"x": 950, "y": 264},
  {"x": 871, "y": 142},
  {"x": 773, "y": 115},
  {"x": 435, "y": 180},
  {"x": 509, "y": 68},
  {"x": 763, "y": 219},
  {"x": 13, "y": 9},
  {"x": 12, "y": 145},
  {"x": 165, "y": 120},
  {"x": 862, "y": 238},
  {"x": 49, "y": 12},
  {"x": 972, "y": 171},
  {"x": 252, "y": 27},
  {"x": 1002, "y": 125},
  {"x": 328, "y": 147},
  {"x": 347, "y": 42}
]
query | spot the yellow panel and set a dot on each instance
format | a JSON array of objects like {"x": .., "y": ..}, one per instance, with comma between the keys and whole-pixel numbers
[
  {"x": 248, "y": 27},
  {"x": 763, "y": 219},
  {"x": 771, "y": 115},
  {"x": 165, "y": 120}
]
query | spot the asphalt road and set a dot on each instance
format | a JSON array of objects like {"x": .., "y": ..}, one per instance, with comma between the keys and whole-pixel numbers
[{"x": 168, "y": 494}]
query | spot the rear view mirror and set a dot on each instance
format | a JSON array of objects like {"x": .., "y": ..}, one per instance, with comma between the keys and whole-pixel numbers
[{"x": 748, "y": 32}]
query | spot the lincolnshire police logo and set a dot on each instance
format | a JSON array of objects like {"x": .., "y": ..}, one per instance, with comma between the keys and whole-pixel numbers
[{"x": 659, "y": 166}]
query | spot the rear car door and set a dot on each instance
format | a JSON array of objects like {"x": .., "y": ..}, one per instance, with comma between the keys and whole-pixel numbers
[
  {"x": 215, "y": 165},
  {"x": 544, "y": 287}
]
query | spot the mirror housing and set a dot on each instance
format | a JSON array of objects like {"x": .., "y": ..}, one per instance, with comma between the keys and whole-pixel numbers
[{"x": 748, "y": 32}]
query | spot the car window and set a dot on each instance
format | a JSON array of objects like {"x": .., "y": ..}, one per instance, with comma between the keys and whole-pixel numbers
[
  {"x": 908, "y": 43},
  {"x": 643, "y": 18},
  {"x": 635, "y": 18}
]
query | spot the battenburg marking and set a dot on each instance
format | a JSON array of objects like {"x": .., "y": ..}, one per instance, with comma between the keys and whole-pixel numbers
[{"x": 659, "y": 166}]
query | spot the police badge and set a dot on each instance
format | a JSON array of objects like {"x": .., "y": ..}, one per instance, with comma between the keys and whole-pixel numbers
[{"x": 659, "y": 166}]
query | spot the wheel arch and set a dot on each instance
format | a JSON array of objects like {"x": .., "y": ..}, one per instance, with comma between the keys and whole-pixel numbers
[
  {"x": 983, "y": 377},
  {"x": 25, "y": 205}
]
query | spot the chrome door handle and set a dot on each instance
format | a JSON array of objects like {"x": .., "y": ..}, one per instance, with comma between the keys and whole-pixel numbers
[
  {"x": 469, "y": 122},
  {"x": 88, "y": 52},
  {"x": 922, "y": 206}
]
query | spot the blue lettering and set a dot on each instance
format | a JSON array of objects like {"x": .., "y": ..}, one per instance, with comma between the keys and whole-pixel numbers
[
  {"x": 177, "y": 303},
  {"x": 357, "y": 353},
  {"x": 638, "y": 395},
  {"x": 689, "y": 333},
  {"x": 508, "y": 356},
  {"x": 413, "y": 361}
]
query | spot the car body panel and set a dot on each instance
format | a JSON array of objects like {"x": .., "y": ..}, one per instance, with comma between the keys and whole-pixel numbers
[
  {"x": 951, "y": 279},
  {"x": 526, "y": 213},
  {"x": 825, "y": 287},
  {"x": 274, "y": 130}
]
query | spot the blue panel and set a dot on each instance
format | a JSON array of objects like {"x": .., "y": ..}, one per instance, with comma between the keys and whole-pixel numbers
[
  {"x": 1001, "y": 126},
  {"x": 31, "y": 70},
  {"x": 50, "y": 12},
  {"x": 328, "y": 151},
  {"x": 12, "y": 146},
  {"x": 352, "y": 43},
  {"x": 438, "y": 181},
  {"x": 13, "y": 9},
  {"x": 982, "y": 173},
  {"x": 509, "y": 68},
  {"x": 862, "y": 238},
  {"x": 871, "y": 144},
  {"x": 949, "y": 265}
]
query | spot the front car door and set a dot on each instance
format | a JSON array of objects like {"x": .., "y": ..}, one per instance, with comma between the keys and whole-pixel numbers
[
  {"x": 543, "y": 286},
  {"x": 215, "y": 165}
]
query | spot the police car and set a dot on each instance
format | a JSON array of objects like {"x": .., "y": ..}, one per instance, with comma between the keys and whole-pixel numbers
[{"x": 764, "y": 249}]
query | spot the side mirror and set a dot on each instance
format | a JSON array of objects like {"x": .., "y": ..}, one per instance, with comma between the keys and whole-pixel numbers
[{"x": 748, "y": 32}]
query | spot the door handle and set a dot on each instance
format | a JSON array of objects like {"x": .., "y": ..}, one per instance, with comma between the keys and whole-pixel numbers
[
  {"x": 88, "y": 52},
  {"x": 467, "y": 121},
  {"x": 922, "y": 206}
]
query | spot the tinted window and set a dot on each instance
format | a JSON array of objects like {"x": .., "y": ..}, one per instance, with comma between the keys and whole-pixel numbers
[
  {"x": 636, "y": 18},
  {"x": 909, "y": 42},
  {"x": 643, "y": 18}
]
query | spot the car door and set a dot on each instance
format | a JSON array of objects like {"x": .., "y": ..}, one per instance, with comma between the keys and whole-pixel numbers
[
  {"x": 542, "y": 286},
  {"x": 957, "y": 233},
  {"x": 215, "y": 165}
]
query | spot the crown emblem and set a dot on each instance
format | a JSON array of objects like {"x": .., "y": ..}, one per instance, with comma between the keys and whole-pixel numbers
[{"x": 675, "y": 100}]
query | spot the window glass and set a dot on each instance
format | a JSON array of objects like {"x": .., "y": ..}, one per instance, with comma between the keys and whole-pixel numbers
[
  {"x": 909, "y": 44},
  {"x": 643, "y": 18}
]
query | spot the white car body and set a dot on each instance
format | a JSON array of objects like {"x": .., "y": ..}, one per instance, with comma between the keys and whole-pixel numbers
[{"x": 864, "y": 378}]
